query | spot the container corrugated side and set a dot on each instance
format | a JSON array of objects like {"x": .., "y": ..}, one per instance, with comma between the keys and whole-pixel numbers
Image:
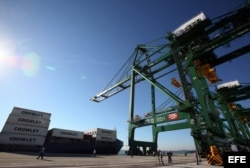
[
  {"x": 30, "y": 113},
  {"x": 24, "y": 129},
  {"x": 102, "y": 137},
  {"x": 67, "y": 133},
  {"x": 18, "y": 139},
  {"x": 25, "y": 120}
]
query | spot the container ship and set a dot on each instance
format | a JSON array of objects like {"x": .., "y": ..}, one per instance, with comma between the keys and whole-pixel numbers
[
  {"x": 27, "y": 131},
  {"x": 67, "y": 141}
]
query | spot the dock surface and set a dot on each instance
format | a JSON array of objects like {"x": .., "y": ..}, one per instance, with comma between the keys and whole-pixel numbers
[{"x": 12, "y": 160}]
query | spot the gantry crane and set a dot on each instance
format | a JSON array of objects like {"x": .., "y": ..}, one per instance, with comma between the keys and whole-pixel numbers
[{"x": 216, "y": 118}]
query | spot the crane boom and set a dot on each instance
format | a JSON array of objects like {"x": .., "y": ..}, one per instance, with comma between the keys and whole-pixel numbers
[{"x": 123, "y": 82}]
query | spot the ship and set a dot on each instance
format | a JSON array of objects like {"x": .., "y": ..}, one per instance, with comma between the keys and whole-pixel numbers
[
  {"x": 27, "y": 131},
  {"x": 103, "y": 141}
]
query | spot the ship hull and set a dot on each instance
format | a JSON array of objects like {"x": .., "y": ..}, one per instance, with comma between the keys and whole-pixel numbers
[
  {"x": 60, "y": 148},
  {"x": 111, "y": 149}
]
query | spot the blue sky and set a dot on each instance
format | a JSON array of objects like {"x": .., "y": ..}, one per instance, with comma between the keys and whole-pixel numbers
[{"x": 57, "y": 54}]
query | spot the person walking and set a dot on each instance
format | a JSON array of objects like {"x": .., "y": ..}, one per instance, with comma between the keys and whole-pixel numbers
[
  {"x": 160, "y": 157},
  {"x": 41, "y": 153},
  {"x": 197, "y": 157},
  {"x": 94, "y": 152},
  {"x": 169, "y": 156}
]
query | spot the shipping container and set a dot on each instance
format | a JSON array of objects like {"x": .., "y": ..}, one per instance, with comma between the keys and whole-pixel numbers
[
  {"x": 19, "y": 139},
  {"x": 229, "y": 84},
  {"x": 24, "y": 129},
  {"x": 105, "y": 138},
  {"x": 101, "y": 131},
  {"x": 67, "y": 133},
  {"x": 30, "y": 113},
  {"x": 25, "y": 120},
  {"x": 189, "y": 24}
]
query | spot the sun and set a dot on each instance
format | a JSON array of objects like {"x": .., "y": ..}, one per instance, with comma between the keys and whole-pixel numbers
[
  {"x": 7, "y": 50},
  {"x": 26, "y": 63}
]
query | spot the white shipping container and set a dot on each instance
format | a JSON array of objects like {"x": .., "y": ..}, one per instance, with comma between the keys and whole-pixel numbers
[
  {"x": 105, "y": 138},
  {"x": 101, "y": 131},
  {"x": 189, "y": 24},
  {"x": 24, "y": 129},
  {"x": 18, "y": 139},
  {"x": 39, "y": 122},
  {"x": 229, "y": 84},
  {"x": 30, "y": 113},
  {"x": 67, "y": 133},
  {"x": 106, "y": 132}
]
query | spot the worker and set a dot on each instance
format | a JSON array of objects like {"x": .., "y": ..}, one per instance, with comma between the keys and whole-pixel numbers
[{"x": 41, "y": 153}]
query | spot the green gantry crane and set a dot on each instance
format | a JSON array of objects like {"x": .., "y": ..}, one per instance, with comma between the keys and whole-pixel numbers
[{"x": 215, "y": 116}]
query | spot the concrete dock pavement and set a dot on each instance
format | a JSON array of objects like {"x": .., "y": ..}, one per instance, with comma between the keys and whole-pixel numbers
[
  {"x": 203, "y": 164},
  {"x": 11, "y": 160}
]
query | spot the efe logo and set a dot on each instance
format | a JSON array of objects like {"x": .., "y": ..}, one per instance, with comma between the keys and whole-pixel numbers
[{"x": 236, "y": 159}]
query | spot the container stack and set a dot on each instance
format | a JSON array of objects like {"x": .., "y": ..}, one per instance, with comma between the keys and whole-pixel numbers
[
  {"x": 102, "y": 134},
  {"x": 25, "y": 127}
]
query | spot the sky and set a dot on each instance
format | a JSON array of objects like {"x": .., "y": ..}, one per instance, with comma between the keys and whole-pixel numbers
[{"x": 57, "y": 54}]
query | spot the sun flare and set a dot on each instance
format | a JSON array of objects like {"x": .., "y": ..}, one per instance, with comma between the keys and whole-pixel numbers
[{"x": 28, "y": 64}]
